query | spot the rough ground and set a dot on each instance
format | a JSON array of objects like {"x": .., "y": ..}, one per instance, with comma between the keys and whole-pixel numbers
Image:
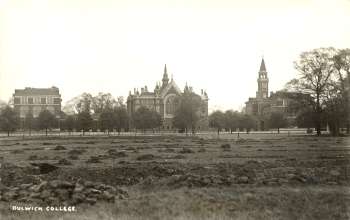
[{"x": 168, "y": 177}]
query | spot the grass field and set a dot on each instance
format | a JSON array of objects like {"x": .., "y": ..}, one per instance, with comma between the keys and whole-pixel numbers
[{"x": 256, "y": 176}]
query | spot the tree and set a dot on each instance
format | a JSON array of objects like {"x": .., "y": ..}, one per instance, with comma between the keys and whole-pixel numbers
[
  {"x": 80, "y": 104},
  {"x": 156, "y": 121},
  {"x": 231, "y": 120},
  {"x": 84, "y": 121},
  {"x": 315, "y": 68},
  {"x": 69, "y": 123},
  {"x": 29, "y": 122},
  {"x": 107, "y": 120},
  {"x": 277, "y": 120},
  {"x": 9, "y": 121},
  {"x": 46, "y": 120},
  {"x": 247, "y": 122},
  {"x": 186, "y": 114},
  {"x": 305, "y": 118},
  {"x": 120, "y": 118},
  {"x": 341, "y": 87},
  {"x": 217, "y": 120},
  {"x": 102, "y": 102},
  {"x": 145, "y": 118}
]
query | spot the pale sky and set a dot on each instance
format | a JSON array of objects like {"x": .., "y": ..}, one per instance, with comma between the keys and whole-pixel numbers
[{"x": 115, "y": 46}]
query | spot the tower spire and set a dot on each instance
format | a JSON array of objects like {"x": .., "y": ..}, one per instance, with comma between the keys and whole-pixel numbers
[
  {"x": 262, "y": 65},
  {"x": 165, "y": 77}
]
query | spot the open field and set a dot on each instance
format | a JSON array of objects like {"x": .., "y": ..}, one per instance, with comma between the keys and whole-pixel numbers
[{"x": 258, "y": 176}]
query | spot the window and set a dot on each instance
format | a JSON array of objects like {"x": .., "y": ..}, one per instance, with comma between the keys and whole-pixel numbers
[
  {"x": 170, "y": 105},
  {"x": 17, "y": 101},
  {"x": 56, "y": 101},
  {"x": 43, "y": 101},
  {"x": 30, "y": 100}
]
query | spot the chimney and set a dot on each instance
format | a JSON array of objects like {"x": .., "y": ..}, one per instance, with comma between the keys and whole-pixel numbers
[{"x": 146, "y": 90}]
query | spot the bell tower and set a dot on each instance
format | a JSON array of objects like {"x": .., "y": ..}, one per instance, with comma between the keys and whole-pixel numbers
[{"x": 263, "y": 82}]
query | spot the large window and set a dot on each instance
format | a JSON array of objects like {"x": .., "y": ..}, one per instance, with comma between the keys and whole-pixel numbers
[
  {"x": 30, "y": 100},
  {"x": 170, "y": 105},
  {"x": 43, "y": 100}
]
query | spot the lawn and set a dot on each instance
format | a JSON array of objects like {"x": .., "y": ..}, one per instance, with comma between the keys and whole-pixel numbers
[{"x": 256, "y": 176}]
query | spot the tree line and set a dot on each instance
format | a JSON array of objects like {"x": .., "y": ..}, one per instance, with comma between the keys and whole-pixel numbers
[
  {"x": 324, "y": 74},
  {"x": 106, "y": 114},
  {"x": 101, "y": 112},
  {"x": 233, "y": 121}
]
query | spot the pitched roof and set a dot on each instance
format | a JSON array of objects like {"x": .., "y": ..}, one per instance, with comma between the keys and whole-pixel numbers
[{"x": 165, "y": 90}]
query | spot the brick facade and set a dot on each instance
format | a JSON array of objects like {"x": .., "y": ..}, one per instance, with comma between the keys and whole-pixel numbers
[{"x": 35, "y": 100}]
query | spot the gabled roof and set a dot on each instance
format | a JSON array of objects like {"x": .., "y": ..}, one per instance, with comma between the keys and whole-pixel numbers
[{"x": 166, "y": 89}]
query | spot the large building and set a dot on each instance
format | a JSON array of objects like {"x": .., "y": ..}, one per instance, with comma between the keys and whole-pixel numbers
[
  {"x": 162, "y": 100},
  {"x": 35, "y": 100},
  {"x": 263, "y": 105}
]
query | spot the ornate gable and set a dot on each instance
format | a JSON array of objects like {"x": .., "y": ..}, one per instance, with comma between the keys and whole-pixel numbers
[{"x": 171, "y": 88}]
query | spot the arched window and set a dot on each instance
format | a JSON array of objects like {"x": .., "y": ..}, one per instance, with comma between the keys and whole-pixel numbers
[{"x": 170, "y": 105}]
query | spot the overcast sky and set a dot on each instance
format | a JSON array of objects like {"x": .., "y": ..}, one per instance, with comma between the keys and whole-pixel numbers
[{"x": 115, "y": 46}]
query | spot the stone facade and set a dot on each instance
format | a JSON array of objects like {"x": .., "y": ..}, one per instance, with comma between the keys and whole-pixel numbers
[
  {"x": 162, "y": 100},
  {"x": 35, "y": 100}
]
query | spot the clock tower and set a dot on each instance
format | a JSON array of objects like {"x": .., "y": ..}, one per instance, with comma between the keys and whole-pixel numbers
[{"x": 263, "y": 82}]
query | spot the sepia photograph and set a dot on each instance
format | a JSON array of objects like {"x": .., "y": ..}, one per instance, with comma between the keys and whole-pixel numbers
[{"x": 174, "y": 109}]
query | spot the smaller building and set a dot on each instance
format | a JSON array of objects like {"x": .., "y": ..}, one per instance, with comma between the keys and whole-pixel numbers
[
  {"x": 35, "y": 100},
  {"x": 263, "y": 105}
]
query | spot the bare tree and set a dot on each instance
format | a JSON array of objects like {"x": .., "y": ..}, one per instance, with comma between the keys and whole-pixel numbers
[
  {"x": 315, "y": 68},
  {"x": 102, "y": 102}
]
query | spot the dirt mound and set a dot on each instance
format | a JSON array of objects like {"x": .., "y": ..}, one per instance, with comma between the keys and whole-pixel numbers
[
  {"x": 225, "y": 146},
  {"x": 60, "y": 147},
  {"x": 186, "y": 151},
  {"x": 146, "y": 157},
  {"x": 64, "y": 162},
  {"x": 76, "y": 151},
  {"x": 44, "y": 167},
  {"x": 58, "y": 192},
  {"x": 113, "y": 153},
  {"x": 73, "y": 157},
  {"x": 93, "y": 159}
]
